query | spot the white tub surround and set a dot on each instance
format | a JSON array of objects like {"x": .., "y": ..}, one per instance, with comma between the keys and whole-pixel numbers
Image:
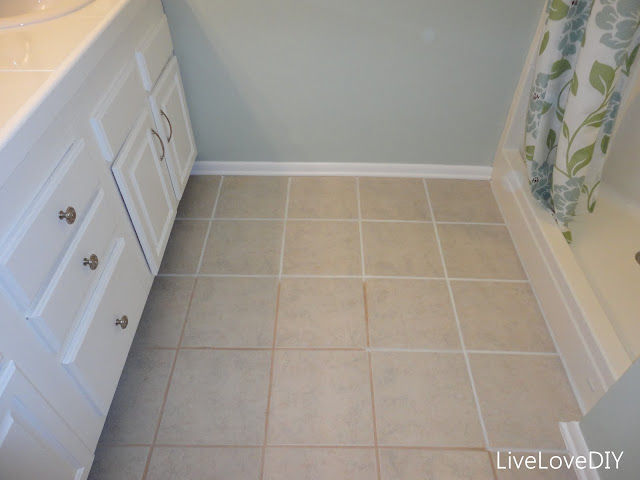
[
  {"x": 95, "y": 149},
  {"x": 593, "y": 354}
]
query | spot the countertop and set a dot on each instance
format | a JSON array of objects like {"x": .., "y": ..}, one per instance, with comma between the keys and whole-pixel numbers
[{"x": 35, "y": 58}]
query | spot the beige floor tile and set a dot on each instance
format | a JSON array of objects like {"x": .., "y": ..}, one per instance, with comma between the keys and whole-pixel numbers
[
  {"x": 236, "y": 312},
  {"x": 393, "y": 199},
  {"x": 321, "y": 398},
  {"x": 320, "y": 463},
  {"x": 217, "y": 398},
  {"x": 164, "y": 312},
  {"x": 480, "y": 251},
  {"x": 199, "y": 197},
  {"x": 411, "y": 314},
  {"x": 522, "y": 398},
  {"x": 252, "y": 197},
  {"x": 523, "y": 473},
  {"x": 323, "y": 197},
  {"x": 434, "y": 465},
  {"x": 135, "y": 409},
  {"x": 185, "y": 246},
  {"x": 500, "y": 316},
  {"x": 424, "y": 399},
  {"x": 322, "y": 248},
  {"x": 243, "y": 248},
  {"x": 401, "y": 249},
  {"x": 463, "y": 201},
  {"x": 321, "y": 313},
  {"x": 119, "y": 463},
  {"x": 205, "y": 463}
]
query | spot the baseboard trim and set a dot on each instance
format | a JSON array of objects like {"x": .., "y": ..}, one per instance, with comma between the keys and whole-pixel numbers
[
  {"x": 342, "y": 169},
  {"x": 576, "y": 445}
]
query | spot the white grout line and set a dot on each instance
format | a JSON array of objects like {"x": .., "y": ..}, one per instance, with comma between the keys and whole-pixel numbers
[
  {"x": 206, "y": 238},
  {"x": 284, "y": 230},
  {"x": 507, "y": 352},
  {"x": 496, "y": 280},
  {"x": 347, "y": 220},
  {"x": 455, "y": 314},
  {"x": 360, "y": 228},
  {"x": 366, "y": 277},
  {"x": 412, "y": 350},
  {"x": 529, "y": 450}
]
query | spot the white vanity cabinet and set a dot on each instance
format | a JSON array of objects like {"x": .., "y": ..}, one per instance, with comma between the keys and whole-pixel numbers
[{"x": 87, "y": 210}]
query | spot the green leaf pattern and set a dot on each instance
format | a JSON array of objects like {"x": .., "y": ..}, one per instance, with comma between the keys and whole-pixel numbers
[{"x": 584, "y": 60}]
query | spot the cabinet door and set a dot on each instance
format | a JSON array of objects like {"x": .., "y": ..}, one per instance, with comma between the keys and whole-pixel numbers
[
  {"x": 170, "y": 112},
  {"x": 34, "y": 441},
  {"x": 143, "y": 178}
]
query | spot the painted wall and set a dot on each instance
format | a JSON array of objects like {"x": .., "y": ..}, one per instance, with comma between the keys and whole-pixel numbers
[
  {"x": 622, "y": 169},
  {"x": 614, "y": 424},
  {"x": 407, "y": 81}
]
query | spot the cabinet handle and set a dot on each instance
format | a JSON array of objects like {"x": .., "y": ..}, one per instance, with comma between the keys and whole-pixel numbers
[
  {"x": 91, "y": 262},
  {"x": 122, "y": 322},
  {"x": 161, "y": 143},
  {"x": 69, "y": 215},
  {"x": 170, "y": 126}
]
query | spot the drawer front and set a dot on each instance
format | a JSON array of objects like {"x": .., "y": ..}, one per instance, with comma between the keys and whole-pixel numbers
[
  {"x": 99, "y": 347},
  {"x": 34, "y": 441},
  {"x": 117, "y": 111},
  {"x": 66, "y": 293},
  {"x": 34, "y": 246},
  {"x": 154, "y": 52}
]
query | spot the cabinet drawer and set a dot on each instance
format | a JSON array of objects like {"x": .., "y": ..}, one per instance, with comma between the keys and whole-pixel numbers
[
  {"x": 34, "y": 246},
  {"x": 34, "y": 441},
  {"x": 117, "y": 111},
  {"x": 153, "y": 53},
  {"x": 99, "y": 347},
  {"x": 60, "y": 303}
]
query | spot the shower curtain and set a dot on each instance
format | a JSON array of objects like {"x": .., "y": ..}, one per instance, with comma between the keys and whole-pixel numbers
[{"x": 584, "y": 59}]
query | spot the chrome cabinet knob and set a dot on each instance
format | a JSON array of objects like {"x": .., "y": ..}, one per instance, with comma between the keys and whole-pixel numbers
[
  {"x": 123, "y": 322},
  {"x": 91, "y": 262},
  {"x": 69, "y": 215}
]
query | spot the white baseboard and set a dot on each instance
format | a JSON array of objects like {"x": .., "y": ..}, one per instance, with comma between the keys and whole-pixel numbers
[
  {"x": 342, "y": 169},
  {"x": 576, "y": 445}
]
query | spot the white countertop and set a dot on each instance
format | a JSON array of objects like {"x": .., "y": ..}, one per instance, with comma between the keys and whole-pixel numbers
[{"x": 35, "y": 58}]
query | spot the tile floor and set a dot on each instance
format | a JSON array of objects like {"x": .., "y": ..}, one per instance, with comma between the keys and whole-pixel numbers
[{"x": 336, "y": 328}]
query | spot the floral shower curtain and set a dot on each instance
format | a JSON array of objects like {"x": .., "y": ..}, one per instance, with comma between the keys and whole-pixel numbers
[{"x": 585, "y": 57}]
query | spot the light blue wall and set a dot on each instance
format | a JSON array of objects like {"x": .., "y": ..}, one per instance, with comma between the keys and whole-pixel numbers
[{"x": 407, "y": 81}]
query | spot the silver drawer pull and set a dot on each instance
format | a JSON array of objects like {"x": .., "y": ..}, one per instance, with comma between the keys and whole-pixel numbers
[
  {"x": 91, "y": 262},
  {"x": 123, "y": 322},
  {"x": 69, "y": 215},
  {"x": 161, "y": 143},
  {"x": 170, "y": 126}
]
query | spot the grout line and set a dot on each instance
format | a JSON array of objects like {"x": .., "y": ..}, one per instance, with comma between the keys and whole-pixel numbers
[
  {"x": 373, "y": 399},
  {"x": 206, "y": 238},
  {"x": 273, "y": 359},
  {"x": 284, "y": 229},
  {"x": 347, "y": 220},
  {"x": 413, "y": 350},
  {"x": 455, "y": 314},
  {"x": 367, "y": 277},
  {"x": 360, "y": 230},
  {"x": 166, "y": 390},
  {"x": 507, "y": 352},
  {"x": 544, "y": 451}
]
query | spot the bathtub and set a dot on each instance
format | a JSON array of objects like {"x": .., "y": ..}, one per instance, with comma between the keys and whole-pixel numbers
[{"x": 589, "y": 291}]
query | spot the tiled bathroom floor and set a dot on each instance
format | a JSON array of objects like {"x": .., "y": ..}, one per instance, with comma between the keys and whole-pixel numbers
[{"x": 329, "y": 328}]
